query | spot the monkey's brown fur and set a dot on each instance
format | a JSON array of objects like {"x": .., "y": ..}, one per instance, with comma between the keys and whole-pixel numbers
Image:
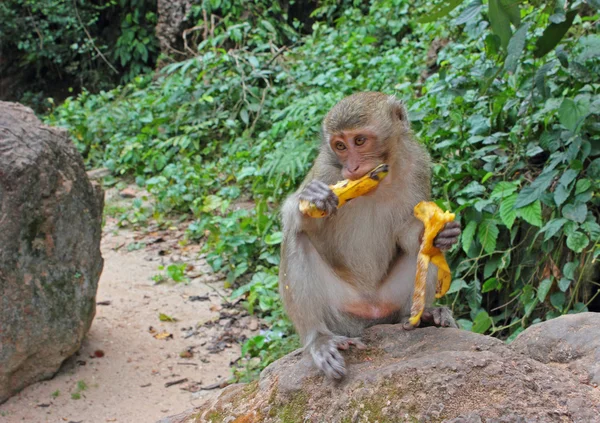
[{"x": 356, "y": 268}]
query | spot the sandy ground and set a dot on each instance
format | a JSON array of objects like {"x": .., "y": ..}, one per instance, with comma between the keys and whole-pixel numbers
[{"x": 127, "y": 383}]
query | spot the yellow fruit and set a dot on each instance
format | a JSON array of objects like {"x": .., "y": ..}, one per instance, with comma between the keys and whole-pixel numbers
[
  {"x": 434, "y": 220},
  {"x": 346, "y": 190}
]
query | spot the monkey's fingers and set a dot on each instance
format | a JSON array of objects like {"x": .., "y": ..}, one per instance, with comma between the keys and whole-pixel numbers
[{"x": 448, "y": 236}]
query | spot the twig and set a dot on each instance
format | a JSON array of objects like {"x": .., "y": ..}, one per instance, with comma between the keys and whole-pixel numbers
[
  {"x": 91, "y": 39},
  {"x": 205, "y": 35},
  {"x": 36, "y": 28},
  {"x": 185, "y": 34},
  {"x": 176, "y": 382},
  {"x": 215, "y": 385},
  {"x": 187, "y": 364}
]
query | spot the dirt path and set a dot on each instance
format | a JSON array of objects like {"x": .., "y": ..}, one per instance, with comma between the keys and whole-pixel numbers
[{"x": 127, "y": 384}]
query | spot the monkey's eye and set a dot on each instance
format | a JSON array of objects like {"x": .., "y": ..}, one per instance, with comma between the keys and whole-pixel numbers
[
  {"x": 360, "y": 140},
  {"x": 340, "y": 146}
]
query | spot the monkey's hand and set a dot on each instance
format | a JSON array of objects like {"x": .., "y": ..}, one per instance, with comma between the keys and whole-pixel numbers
[
  {"x": 321, "y": 195},
  {"x": 325, "y": 354},
  {"x": 447, "y": 236}
]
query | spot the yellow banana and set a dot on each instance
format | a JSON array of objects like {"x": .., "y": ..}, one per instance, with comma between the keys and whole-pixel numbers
[
  {"x": 434, "y": 220},
  {"x": 346, "y": 190}
]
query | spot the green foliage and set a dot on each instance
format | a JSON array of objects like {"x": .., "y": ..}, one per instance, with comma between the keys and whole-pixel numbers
[
  {"x": 513, "y": 134},
  {"x": 53, "y": 46}
]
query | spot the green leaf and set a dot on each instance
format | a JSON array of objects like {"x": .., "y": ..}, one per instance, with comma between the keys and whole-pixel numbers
[
  {"x": 499, "y": 22},
  {"x": 492, "y": 44},
  {"x": 471, "y": 11},
  {"x": 490, "y": 285},
  {"x": 465, "y": 324},
  {"x": 569, "y": 269},
  {"x": 443, "y": 9},
  {"x": 532, "y": 213},
  {"x": 515, "y": 48},
  {"x": 576, "y": 213},
  {"x": 593, "y": 170},
  {"x": 482, "y": 322},
  {"x": 503, "y": 189},
  {"x": 552, "y": 35},
  {"x": 568, "y": 176},
  {"x": 211, "y": 203},
  {"x": 543, "y": 289},
  {"x": 563, "y": 284},
  {"x": 540, "y": 78},
  {"x": 488, "y": 235},
  {"x": 561, "y": 193},
  {"x": 501, "y": 14},
  {"x": 491, "y": 266},
  {"x": 572, "y": 113},
  {"x": 552, "y": 227},
  {"x": 457, "y": 285},
  {"x": 534, "y": 191},
  {"x": 582, "y": 186},
  {"x": 507, "y": 211},
  {"x": 274, "y": 238},
  {"x": 467, "y": 235},
  {"x": 166, "y": 318},
  {"x": 244, "y": 116},
  {"x": 558, "y": 300},
  {"x": 577, "y": 241},
  {"x": 592, "y": 228}
]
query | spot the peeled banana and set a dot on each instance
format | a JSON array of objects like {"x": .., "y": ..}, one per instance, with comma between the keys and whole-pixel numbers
[
  {"x": 346, "y": 190},
  {"x": 434, "y": 220}
]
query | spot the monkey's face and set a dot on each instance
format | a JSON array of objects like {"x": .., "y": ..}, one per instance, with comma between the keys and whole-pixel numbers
[{"x": 357, "y": 150}]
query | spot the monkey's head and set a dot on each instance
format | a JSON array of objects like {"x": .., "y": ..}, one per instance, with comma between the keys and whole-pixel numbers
[{"x": 363, "y": 131}]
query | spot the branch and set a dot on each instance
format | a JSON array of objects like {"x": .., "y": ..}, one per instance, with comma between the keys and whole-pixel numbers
[{"x": 91, "y": 39}]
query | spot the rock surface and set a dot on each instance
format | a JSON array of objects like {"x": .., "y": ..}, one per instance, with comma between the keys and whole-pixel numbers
[
  {"x": 571, "y": 342},
  {"x": 425, "y": 375},
  {"x": 50, "y": 261}
]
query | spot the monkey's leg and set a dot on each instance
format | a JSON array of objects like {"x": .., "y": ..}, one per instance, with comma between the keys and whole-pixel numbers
[
  {"x": 399, "y": 285},
  {"x": 313, "y": 295}
]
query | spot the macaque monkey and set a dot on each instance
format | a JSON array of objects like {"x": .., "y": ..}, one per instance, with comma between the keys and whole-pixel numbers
[{"x": 356, "y": 267}]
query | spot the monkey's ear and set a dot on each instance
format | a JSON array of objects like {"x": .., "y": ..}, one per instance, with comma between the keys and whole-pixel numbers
[{"x": 399, "y": 111}]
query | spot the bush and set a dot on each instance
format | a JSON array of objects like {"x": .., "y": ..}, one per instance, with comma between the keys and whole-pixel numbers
[{"x": 52, "y": 47}]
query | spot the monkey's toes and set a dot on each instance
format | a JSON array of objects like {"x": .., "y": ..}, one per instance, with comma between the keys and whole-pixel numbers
[
  {"x": 345, "y": 343},
  {"x": 439, "y": 316}
]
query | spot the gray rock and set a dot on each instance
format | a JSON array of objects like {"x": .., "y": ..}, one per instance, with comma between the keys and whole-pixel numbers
[
  {"x": 424, "y": 375},
  {"x": 50, "y": 261},
  {"x": 571, "y": 341}
]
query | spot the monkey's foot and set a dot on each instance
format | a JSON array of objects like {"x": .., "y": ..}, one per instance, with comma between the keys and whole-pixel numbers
[
  {"x": 435, "y": 316},
  {"x": 326, "y": 356}
]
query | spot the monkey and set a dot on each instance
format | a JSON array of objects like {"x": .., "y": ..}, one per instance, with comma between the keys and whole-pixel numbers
[{"x": 356, "y": 267}]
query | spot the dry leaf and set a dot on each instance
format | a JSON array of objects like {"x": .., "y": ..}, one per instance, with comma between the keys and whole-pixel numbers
[{"x": 164, "y": 335}]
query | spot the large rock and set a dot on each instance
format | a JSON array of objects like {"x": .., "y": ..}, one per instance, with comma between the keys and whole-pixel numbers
[
  {"x": 50, "y": 261},
  {"x": 425, "y": 375},
  {"x": 571, "y": 342}
]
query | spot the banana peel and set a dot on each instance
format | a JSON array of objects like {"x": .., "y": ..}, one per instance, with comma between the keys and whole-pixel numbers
[
  {"x": 434, "y": 220},
  {"x": 347, "y": 190}
]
